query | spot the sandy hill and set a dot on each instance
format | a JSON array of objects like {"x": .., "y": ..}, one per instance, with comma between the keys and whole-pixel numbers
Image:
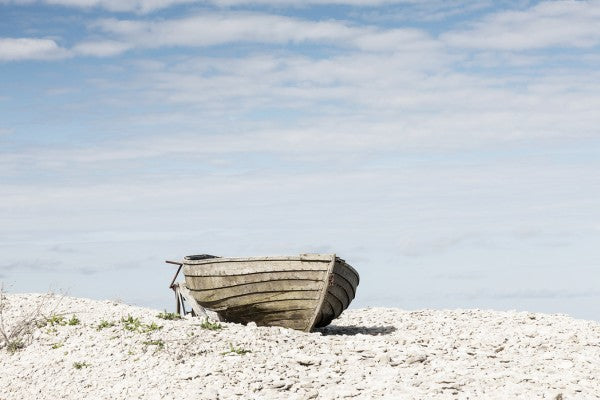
[{"x": 87, "y": 349}]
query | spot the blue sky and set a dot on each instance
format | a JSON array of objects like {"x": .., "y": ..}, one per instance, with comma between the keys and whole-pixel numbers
[{"x": 449, "y": 150}]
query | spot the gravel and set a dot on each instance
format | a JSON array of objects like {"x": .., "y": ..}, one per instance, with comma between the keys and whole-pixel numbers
[{"x": 366, "y": 353}]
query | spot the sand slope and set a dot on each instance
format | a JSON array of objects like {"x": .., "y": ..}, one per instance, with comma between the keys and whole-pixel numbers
[{"x": 368, "y": 353}]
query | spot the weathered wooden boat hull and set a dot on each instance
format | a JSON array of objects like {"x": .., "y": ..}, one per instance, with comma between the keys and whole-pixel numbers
[{"x": 300, "y": 292}]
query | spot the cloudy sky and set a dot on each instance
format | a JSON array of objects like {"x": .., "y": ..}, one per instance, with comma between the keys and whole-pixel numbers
[{"x": 449, "y": 150}]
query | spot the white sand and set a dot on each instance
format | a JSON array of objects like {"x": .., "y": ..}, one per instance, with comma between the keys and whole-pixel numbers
[{"x": 368, "y": 353}]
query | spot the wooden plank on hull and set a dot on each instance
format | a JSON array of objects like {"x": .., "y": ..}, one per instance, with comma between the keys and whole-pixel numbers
[
  {"x": 327, "y": 315},
  {"x": 208, "y": 282},
  {"x": 266, "y": 306},
  {"x": 263, "y": 318},
  {"x": 251, "y": 267},
  {"x": 254, "y": 298},
  {"x": 347, "y": 274},
  {"x": 336, "y": 304},
  {"x": 340, "y": 294},
  {"x": 347, "y": 267},
  {"x": 327, "y": 309},
  {"x": 343, "y": 282},
  {"x": 260, "y": 287}
]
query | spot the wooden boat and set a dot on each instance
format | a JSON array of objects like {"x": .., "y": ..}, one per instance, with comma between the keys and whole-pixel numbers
[{"x": 300, "y": 292}]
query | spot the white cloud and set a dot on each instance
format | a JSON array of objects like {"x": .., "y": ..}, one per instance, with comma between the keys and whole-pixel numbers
[
  {"x": 101, "y": 48},
  {"x": 431, "y": 10},
  {"x": 548, "y": 24},
  {"x": 217, "y": 29},
  {"x": 396, "y": 40},
  {"x": 212, "y": 29},
  {"x": 374, "y": 99},
  {"x": 285, "y": 3},
  {"x": 147, "y": 6},
  {"x": 139, "y": 6},
  {"x": 15, "y": 49}
]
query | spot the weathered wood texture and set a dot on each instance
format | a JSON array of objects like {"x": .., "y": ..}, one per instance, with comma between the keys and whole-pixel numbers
[
  {"x": 341, "y": 290},
  {"x": 301, "y": 292}
]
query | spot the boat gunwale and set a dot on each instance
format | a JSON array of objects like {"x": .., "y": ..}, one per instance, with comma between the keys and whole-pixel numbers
[
  {"x": 196, "y": 275},
  {"x": 301, "y": 257}
]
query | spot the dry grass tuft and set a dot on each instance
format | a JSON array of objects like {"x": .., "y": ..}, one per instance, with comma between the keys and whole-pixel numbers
[{"x": 19, "y": 333}]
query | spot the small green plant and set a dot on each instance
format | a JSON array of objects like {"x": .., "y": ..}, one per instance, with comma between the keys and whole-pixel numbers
[
  {"x": 15, "y": 345},
  {"x": 150, "y": 328},
  {"x": 59, "y": 320},
  {"x": 104, "y": 324},
  {"x": 56, "y": 320},
  {"x": 57, "y": 345},
  {"x": 135, "y": 325},
  {"x": 130, "y": 323},
  {"x": 211, "y": 326},
  {"x": 79, "y": 365},
  {"x": 236, "y": 350},
  {"x": 169, "y": 316},
  {"x": 41, "y": 323},
  {"x": 159, "y": 343}
]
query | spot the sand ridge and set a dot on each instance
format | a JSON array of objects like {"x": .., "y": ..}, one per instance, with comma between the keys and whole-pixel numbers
[{"x": 366, "y": 353}]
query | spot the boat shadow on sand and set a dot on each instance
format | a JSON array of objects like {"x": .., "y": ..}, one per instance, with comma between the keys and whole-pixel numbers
[{"x": 356, "y": 330}]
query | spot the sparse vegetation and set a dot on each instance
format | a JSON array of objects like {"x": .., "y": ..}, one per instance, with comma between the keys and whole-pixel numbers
[
  {"x": 130, "y": 323},
  {"x": 236, "y": 350},
  {"x": 104, "y": 324},
  {"x": 159, "y": 343},
  {"x": 58, "y": 320},
  {"x": 135, "y": 325},
  {"x": 169, "y": 316},
  {"x": 15, "y": 345},
  {"x": 79, "y": 365},
  {"x": 55, "y": 320},
  {"x": 57, "y": 345},
  {"x": 150, "y": 328},
  {"x": 19, "y": 333},
  {"x": 211, "y": 326}
]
